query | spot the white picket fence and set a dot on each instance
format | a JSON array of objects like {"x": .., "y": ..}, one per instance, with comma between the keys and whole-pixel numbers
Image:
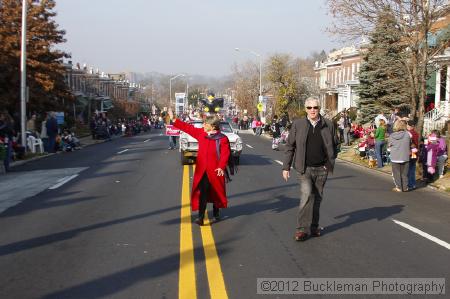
[{"x": 436, "y": 118}]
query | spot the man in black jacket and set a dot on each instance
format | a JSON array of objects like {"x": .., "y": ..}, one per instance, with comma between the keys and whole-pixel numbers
[
  {"x": 6, "y": 136},
  {"x": 52, "y": 132},
  {"x": 313, "y": 143}
]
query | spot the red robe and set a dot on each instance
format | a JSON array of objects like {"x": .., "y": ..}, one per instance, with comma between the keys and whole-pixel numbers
[{"x": 207, "y": 161}]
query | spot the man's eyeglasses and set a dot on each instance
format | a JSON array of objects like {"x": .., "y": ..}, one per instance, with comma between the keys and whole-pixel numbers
[{"x": 315, "y": 108}]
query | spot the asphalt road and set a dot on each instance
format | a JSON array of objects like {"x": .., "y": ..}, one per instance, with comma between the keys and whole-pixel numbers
[{"x": 122, "y": 228}]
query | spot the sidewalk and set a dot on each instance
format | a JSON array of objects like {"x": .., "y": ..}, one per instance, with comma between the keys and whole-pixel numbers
[
  {"x": 349, "y": 154},
  {"x": 85, "y": 141}
]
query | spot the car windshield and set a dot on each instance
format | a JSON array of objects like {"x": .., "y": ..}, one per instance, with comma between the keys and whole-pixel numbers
[
  {"x": 197, "y": 124},
  {"x": 226, "y": 128}
]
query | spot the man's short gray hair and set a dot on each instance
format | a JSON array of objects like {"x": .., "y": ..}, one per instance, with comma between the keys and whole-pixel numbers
[{"x": 312, "y": 100}]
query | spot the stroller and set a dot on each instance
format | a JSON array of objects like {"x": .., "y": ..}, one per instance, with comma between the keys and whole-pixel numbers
[
  {"x": 102, "y": 132},
  {"x": 69, "y": 142}
]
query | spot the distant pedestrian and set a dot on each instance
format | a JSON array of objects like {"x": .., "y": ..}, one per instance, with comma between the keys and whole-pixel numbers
[
  {"x": 392, "y": 119},
  {"x": 379, "y": 117},
  {"x": 414, "y": 155},
  {"x": 311, "y": 149},
  {"x": 276, "y": 132},
  {"x": 423, "y": 158},
  {"x": 93, "y": 127},
  {"x": 432, "y": 149},
  {"x": 52, "y": 132},
  {"x": 254, "y": 125},
  {"x": 400, "y": 148},
  {"x": 44, "y": 135},
  {"x": 442, "y": 155},
  {"x": 212, "y": 159},
  {"x": 347, "y": 128},
  {"x": 259, "y": 126},
  {"x": 380, "y": 136},
  {"x": 341, "y": 126},
  {"x": 245, "y": 121},
  {"x": 31, "y": 125},
  {"x": 172, "y": 139},
  {"x": 6, "y": 136}
]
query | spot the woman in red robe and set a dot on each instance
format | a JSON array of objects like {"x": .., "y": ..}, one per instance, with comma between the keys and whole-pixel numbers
[{"x": 209, "y": 176}]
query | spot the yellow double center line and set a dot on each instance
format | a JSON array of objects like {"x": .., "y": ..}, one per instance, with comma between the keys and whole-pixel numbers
[{"x": 187, "y": 283}]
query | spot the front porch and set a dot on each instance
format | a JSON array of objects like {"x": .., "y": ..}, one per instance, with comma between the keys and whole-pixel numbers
[{"x": 439, "y": 109}]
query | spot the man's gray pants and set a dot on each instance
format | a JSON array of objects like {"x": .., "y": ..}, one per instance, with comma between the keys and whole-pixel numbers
[{"x": 312, "y": 183}]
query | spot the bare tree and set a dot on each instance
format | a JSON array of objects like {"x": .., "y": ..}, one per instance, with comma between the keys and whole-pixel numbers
[
  {"x": 416, "y": 20},
  {"x": 291, "y": 82},
  {"x": 246, "y": 85}
]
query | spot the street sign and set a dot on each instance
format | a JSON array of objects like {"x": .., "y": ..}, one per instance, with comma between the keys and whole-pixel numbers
[
  {"x": 260, "y": 107},
  {"x": 172, "y": 131},
  {"x": 59, "y": 117}
]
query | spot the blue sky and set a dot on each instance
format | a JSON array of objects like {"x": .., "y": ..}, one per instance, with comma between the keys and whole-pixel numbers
[{"x": 196, "y": 36}]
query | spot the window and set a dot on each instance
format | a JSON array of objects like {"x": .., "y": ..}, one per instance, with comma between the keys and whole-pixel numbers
[{"x": 225, "y": 128}]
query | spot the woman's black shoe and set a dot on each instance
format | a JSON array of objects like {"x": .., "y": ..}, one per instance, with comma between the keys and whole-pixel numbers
[
  {"x": 316, "y": 232},
  {"x": 199, "y": 221}
]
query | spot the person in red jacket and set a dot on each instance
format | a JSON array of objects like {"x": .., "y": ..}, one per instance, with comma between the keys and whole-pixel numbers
[{"x": 212, "y": 160}]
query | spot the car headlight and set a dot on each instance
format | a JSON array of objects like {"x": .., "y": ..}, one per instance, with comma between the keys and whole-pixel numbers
[
  {"x": 183, "y": 143},
  {"x": 193, "y": 145},
  {"x": 238, "y": 144}
]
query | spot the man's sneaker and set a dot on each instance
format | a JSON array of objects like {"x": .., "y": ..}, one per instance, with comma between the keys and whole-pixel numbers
[
  {"x": 199, "y": 221},
  {"x": 316, "y": 232},
  {"x": 300, "y": 236},
  {"x": 395, "y": 189}
]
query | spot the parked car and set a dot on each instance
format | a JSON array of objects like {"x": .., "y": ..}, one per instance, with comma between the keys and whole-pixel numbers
[{"x": 189, "y": 145}]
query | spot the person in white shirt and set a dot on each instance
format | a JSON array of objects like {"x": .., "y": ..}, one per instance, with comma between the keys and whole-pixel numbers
[{"x": 380, "y": 116}]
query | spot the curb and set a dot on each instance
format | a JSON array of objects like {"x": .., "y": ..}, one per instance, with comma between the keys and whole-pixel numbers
[
  {"x": 22, "y": 162},
  {"x": 363, "y": 167},
  {"x": 437, "y": 189}
]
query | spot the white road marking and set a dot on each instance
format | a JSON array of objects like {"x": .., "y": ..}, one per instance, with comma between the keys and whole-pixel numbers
[
  {"x": 248, "y": 145},
  {"x": 423, "y": 234},
  {"x": 121, "y": 152},
  {"x": 147, "y": 140},
  {"x": 279, "y": 162},
  {"x": 63, "y": 181}
]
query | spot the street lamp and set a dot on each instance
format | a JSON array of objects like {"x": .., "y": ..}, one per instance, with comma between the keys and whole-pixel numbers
[
  {"x": 23, "y": 75},
  {"x": 260, "y": 69},
  {"x": 170, "y": 88}
]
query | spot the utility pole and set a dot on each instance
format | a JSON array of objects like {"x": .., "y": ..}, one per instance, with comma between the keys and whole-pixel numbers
[{"x": 23, "y": 76}]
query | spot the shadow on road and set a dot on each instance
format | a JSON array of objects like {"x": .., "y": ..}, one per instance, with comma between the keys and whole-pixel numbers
[
  {"x": 35, "y": 205},
  {"x": 106, "y": 286},
  {"x": 277, "y": 204},
  {"x": 250, "y": 160},
  {"x": 378, "y": 213},
  {"x": 66, "y": 235},
  {"x": 340, "y": 177},
  {"x": 262, "y": 190}
]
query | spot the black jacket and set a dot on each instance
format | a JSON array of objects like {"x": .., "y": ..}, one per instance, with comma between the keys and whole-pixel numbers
[
  {"x": 6, "y": 130},
  {"x": 295, "y": 153},
  {"x": 52, "y": 127}
]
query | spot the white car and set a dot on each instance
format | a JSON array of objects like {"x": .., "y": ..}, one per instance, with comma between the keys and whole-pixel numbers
[{"x": 189, "y": 145}]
